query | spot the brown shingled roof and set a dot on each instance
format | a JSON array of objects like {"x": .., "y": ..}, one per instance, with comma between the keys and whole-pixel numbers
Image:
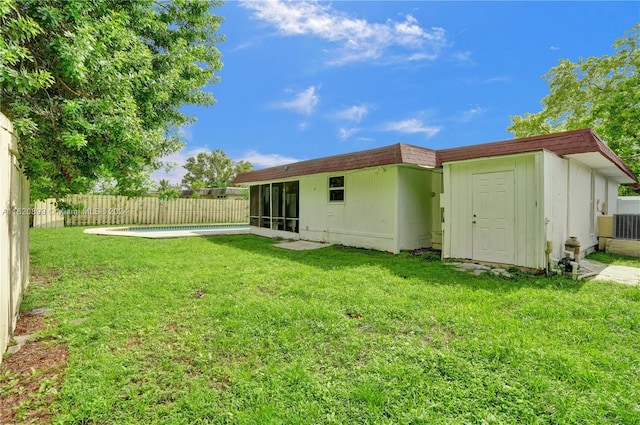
[
  {"x": 399, "y": 153},
  {"x": 565, "y": 143}
]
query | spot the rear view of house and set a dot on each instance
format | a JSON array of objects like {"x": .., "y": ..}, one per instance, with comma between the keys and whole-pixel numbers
[
  {"x": 498, "y": 202},
  {"x": 380, "y": 198}
]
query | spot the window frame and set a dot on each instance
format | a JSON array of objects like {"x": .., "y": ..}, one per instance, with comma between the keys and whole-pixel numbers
[{"x": 336, "y": 189}]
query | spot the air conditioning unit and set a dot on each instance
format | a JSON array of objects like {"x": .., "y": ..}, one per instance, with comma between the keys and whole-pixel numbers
[{"x": 626, "y": 226}]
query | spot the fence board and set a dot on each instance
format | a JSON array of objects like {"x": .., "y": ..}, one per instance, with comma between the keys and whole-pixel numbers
[{"x": 46, "y": 215}]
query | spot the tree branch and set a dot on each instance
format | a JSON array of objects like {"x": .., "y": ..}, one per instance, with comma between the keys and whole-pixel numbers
[{"x": 59, "y": 80}]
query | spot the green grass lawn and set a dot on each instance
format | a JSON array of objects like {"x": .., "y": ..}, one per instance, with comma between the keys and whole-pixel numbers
[
  {"x": 231, "y": 329},
  {"x": 618, "y": 260}
]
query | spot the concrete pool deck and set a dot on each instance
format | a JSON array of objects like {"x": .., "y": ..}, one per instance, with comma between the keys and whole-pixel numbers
[{"x": 164, "y": 234}]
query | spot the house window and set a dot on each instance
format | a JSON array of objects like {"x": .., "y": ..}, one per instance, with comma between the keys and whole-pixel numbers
[{"x": 336, "y": 189}]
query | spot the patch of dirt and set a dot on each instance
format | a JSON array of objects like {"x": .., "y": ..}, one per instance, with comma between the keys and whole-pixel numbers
[
  {"x": 353, "y": 315},
  {"x": 30, "y": 379},
  {"x": 265, "y": 291},
  {"x": 427, "y": 254},
  {"x": 222, "y": 383},
  {"x": 171, "y": 327},
  {"x": 28, "y": 324},
  {"x": 43, "y": 276}
]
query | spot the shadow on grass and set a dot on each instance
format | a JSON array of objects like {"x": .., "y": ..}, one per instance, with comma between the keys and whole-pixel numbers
[{"x": 403, "y": 265}]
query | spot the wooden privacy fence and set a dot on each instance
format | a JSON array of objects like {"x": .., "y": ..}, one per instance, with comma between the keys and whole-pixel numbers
[
  {"x": 104, "y": 210},
  {"x": 14, "y": 233}
]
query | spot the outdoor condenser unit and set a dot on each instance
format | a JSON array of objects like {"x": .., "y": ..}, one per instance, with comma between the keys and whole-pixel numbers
[{"x": 626, "y": 226}]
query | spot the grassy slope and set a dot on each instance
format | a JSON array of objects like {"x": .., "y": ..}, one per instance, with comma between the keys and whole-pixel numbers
[{"x": 329, "y": 336}]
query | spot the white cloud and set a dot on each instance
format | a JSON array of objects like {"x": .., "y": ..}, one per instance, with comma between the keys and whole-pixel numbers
[
  {"x": 303, "y": 102},
  {"x": 554, "y": 48},
  {"x": 260, "y": 160},
  {"x": 469, "y": 114},
  {"x": 186, "y": 133},
  {"x": 354, "y": 113},
  {"x": 497, "y": 79},
  {"x": 412, "y": 126},
  {"x": 175, "y": 162},
  {"x": 463, "y": 56},
  {"x": 345, "y": 133},
  {"x": 240, "y": 46},
  {"x": 421, "y": 56},
  {"x": 356, "y": 39}
]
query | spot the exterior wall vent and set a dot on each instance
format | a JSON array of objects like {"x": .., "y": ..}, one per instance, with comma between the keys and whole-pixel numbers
[{"x": 626, "y": 226}]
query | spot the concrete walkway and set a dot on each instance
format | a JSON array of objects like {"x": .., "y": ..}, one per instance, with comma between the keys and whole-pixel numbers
[
  {"x": 611, "y": 273},
  {"x": 589, "y": 269}
]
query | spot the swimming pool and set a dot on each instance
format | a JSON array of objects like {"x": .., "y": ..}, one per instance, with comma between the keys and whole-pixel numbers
[{"x": 173, "y": 231}]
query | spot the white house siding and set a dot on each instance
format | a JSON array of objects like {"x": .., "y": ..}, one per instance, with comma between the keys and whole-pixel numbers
[
  {"x": 585, "y": 188},
  {"x": 581, "y": 208},
  {"x": 436, "y": 210},
  {"x": 612, "y": 198},
  {"x": 527, "y": 217},
  {"x": 366, "y": 218},
  {"x": 555, "y": 201},
  {"x": 572, "y": 192},
  {"x": 415, "y": 207}
]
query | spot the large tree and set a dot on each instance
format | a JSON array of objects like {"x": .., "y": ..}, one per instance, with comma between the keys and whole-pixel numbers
[
  {"x": 94, "y": 87},
  {"x": 598, "y": 92},
  {"x": 213, "y": 169}
]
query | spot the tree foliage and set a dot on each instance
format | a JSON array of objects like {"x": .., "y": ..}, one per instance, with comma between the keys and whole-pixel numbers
[
  {"x": 94, "y": 88},
  {"x": 602, "y": 93},
  {"x": 168, "y": 191},
  {"x": 213, "y": 169}
]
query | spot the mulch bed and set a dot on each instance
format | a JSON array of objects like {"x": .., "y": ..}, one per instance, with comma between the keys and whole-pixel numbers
[{"x": 30, "y": 379}]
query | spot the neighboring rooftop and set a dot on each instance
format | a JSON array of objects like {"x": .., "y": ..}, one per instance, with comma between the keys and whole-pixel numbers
[
  {"x": 579, "y": 144},
  {"x": 215, "y": 191}
]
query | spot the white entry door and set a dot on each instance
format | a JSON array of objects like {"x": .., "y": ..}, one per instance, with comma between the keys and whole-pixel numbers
[{"x": 493, "y": 220}]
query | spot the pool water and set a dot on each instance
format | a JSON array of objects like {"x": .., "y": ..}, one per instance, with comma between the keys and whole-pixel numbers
[
  {"x": 176, "y": 231},
  {"x": 193, "y": 228}
]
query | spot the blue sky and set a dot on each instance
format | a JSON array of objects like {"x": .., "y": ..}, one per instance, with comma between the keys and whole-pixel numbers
[{"x": 303, "y": 80}]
